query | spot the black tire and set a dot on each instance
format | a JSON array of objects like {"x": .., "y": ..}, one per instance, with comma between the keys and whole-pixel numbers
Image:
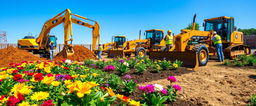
[
  {"x": 140, "y": 49},
  {"x": 127, "y": 55},
  {"x": 199, "y": 49}
]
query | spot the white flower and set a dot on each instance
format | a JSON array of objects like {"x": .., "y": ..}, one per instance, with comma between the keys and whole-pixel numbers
[
  {"x": 127, "y": 64},
  {"x": 68, "y": 61},
  {"x": 158, "y": 87}
]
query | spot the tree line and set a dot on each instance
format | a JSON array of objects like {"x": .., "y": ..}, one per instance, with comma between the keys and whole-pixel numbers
[{"x": 250, "y": 31}]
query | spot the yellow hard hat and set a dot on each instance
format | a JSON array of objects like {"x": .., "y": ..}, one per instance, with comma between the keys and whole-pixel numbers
[{"x": 169, "y": 31}]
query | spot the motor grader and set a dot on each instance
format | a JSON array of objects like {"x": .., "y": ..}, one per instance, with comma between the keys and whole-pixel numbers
[
  {"x": 194, "y": 47},
  {"x": 140, "y": 47}
]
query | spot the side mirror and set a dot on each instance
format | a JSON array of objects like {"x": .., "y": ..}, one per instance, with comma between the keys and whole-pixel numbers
[
  {"x": 203, "y": 24},
  {"x": 144, "y": 34}
]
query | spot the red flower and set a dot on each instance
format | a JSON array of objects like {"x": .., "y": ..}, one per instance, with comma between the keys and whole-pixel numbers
[
  {"x": 47, "y": 103},
  {"x": 49, "y": 75},
  {"x": 14, "y": 71},
  {"x": 38, "y": 77},
  {"x": 20, "y": 68},
  {"x": 66, "y": 68},
  {"x": 104, "y": 88},
  {"x": 125, "y": 98},
  {"x": 31, "y": 74},
  {"x": 16, "y": 77},
  {"x": 20, "y": 96},
  {"x": 2, "y": 97},
  {"x": 12, "y": 101}
]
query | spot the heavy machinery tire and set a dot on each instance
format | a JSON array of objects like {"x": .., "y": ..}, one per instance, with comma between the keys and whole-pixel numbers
[
  {"x": 127, "y": 55},
  {"x": 203, "y": 54},
  {"x": 163, "y": 49},
  {"x": 141, "y": 52}
]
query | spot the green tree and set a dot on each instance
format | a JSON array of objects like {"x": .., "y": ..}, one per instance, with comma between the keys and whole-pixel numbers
[
  {"x": 250, "y": 31},
  {"x": 190, "y": 26}
]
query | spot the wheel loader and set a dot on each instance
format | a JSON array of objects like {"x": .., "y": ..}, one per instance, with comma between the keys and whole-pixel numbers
[
  {"x": 140, "y": 47},
  {"x": 194, "y": 47},
  {"x": 117, "y": 41}
]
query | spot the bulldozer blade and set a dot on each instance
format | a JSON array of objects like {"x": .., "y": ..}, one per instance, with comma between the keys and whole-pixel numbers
[
  {"x": 116, "y": 54},
  {"x": 189, "y": 59}
]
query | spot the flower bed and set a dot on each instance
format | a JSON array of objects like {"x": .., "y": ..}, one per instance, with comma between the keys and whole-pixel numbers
[{"x": 69, "y": 83}]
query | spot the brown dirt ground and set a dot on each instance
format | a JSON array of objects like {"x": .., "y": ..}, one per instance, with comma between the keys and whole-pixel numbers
[{"x": 214, "y": 85}]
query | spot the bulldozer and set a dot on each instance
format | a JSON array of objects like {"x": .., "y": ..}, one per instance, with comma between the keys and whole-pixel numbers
[
  {"x": 40, "y": 45},
  {"x": 194, "y": 47},
  {"x": 117, "y": 41},
  {"x": 140, "y": 47}
]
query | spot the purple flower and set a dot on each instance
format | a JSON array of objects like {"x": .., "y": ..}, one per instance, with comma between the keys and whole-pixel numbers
[
  {"x": 93, "y": 64},
  {"x": 164, "y": 91},
  {"x": 127, "y": 76},
  {"x": 171, "y": 79},
  {"x": 176, "y": 87},
  {"x": 106, "y": 84},
  {"x": 77, "y": 68},
  {"x": 121, "y": 61},
  {"x": 148, "y": 88},
  {"x": 109, "y": 68}
]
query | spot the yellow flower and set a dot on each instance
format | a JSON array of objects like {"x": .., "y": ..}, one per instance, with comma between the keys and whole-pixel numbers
[
  {"x": 74, "y": 76},
  {"x": 40, "y": 66},
  {"x": 56, "y": 83},
  {"x": 47, "y": 69},
  {"x": 48, "y": 80},
  {"x": 10, "y": 70},
  {"x": 21, "y": 88},
  {"x": 3, "y": 100},
  {"x": 175, "y": 65},
  {"x": 134, "y": 103},
  {"x": 94, "y": 74},
  {"x": 83, "y": 76},
  {"x": 67, "y": 82},
  {"x": 23, "y": 64},
  {"x": 81, "y": 88},
  {"x": 110, "y": 92},
  {"x": 24, "y": 104},
  {"x": 86, "y": 69},
  {"x": 39, "y": 96}
]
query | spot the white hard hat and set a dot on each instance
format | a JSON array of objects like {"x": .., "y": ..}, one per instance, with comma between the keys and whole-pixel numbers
[{"x": 214, "y": 32}]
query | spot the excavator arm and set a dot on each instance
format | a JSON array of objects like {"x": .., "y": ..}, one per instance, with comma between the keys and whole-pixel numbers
[{"x": 95, "y": 29}]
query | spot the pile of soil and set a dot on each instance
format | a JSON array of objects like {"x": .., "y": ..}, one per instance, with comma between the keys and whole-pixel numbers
[
  {"x": 80, "y": 54},
  {"x": 14, "y": 55}
]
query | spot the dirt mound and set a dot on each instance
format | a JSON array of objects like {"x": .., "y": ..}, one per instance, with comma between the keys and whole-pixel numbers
[
  {"x": 81, "y": 54},
  {"x": 14, "y": 55}
]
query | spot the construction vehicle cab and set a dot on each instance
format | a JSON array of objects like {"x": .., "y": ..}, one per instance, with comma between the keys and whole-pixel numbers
[
  {"x": 156, "y": 36},
  {"x": 119, "y": 40}
]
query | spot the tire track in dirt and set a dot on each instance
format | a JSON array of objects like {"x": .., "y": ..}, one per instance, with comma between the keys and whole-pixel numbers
[{"x": 216, "y": 85}]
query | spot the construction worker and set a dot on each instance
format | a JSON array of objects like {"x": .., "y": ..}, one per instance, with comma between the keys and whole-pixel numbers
[
  {"x": 218, "y": 46},
  {"x": 168, "y": 40},
  {"x": 100, "y": 49},
  {"x": 51, "y": 45}
]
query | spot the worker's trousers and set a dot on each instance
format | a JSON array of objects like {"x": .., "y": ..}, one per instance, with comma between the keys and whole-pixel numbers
[
  {"x": 51, "y": 54},
  {"x": 219, "y": 51},
  {"x": 99, "y": 54},
  {"x": 168, "y": 47}
]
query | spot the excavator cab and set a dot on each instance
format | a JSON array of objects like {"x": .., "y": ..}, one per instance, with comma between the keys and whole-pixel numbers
[
  {"x": 53, "y": 38},
  {"x": 155, "y": 35},
  {"x": 224, "y": 26}
]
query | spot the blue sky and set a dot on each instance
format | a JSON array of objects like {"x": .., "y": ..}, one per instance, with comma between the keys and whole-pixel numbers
[{"x": 119, "y": 17}]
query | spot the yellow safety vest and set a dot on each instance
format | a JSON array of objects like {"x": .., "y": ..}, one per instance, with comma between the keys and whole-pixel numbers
[
  {"x": 169, "y": 39},
  {"x": 217, "y": 40},
  {"x": 100, "y": 48}
]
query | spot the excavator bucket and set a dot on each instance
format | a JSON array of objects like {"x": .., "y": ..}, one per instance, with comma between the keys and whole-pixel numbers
[
  {"x": 189, "y": 58},
  {"x": 66, "y": 51},
  {"x": 116, "y": 53}
]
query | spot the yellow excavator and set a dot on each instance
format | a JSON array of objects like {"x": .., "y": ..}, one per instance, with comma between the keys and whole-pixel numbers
[
  {"x": 140, "y": 47},
  {"x": 194, "y": 47},
  {"x": 117, "y": 41},
  {"x": 40, "y": 45}
]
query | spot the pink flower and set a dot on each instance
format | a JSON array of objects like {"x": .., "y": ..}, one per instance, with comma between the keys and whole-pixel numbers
[
  {"x": 176, "y": 87},
  {"x": 148, "y": 88},
  {"x": 164, "y": 91},
  {"x": 47, "y": 103},
  {"x": 23, "y": 80},
  {"x": 109, "y": 68},
  {"x": 171, "y": 79}
]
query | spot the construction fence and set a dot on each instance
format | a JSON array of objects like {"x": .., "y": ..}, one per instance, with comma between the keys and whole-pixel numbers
[
  {"x": 58, "y": 48},
  {"x": 250, "y": 40}
]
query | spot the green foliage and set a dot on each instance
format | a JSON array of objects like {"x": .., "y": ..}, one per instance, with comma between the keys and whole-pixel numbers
[
  {"x": 165, "y": 64},
  {"x": 122, "y": 69},
  {"x": 129, "y": 86},
  {"x": 140, "y": 68},
  {"x": 154, "y": 99},
  {"x": 172, "y": 94},
  {"x": 253, "y": 101},
  {"x": 114, "y": 81},
  {"x": 251, "y": 31},
  {"x": 156, "y": 67},
  {"x": 190, "y": 26},
  {"x": 241, "y": 61},
  {"x": 88, "y": 62}
]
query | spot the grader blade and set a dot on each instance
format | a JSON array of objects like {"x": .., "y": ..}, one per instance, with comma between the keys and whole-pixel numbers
[
  {"x": 189, "y": 59},
  {"x": 116, "y": 54}
]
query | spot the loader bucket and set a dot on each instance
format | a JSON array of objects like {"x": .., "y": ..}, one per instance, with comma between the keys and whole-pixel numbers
[
  {"x": 189, "y": 58},
  {"x": 116, "y": 53},
  {"x": 66, "y": 51}
]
